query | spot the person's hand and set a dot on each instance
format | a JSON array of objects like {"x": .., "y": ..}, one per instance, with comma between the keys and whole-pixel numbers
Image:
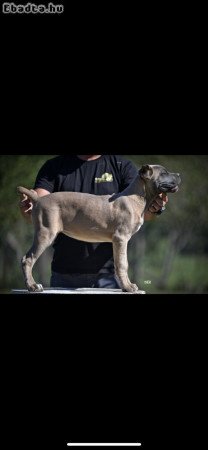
[
  {"x": 158, "y": 203},
  {"x": 156, "y": 206},
  {"x": 26, "y": 206}
]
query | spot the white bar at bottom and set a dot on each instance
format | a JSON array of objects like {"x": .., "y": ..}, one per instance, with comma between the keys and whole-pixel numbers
[{"x": 102, "y": 444}]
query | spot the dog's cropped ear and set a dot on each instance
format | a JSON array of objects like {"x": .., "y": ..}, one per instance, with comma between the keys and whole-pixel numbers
[{"x": 146, "y": 172}]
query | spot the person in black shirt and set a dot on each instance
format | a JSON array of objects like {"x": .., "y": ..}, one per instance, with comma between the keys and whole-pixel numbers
[{"x": 76, "y": 263}]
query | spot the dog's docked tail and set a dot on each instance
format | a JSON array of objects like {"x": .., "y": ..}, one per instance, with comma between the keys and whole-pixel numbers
[{"x": 30, "y": 193}]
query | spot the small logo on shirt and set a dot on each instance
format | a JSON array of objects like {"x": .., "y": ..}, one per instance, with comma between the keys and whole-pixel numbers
[{"x": 106, "y": 178}]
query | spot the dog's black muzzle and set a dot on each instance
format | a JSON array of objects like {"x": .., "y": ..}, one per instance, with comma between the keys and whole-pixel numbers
[{"x": 169, "y": 184}]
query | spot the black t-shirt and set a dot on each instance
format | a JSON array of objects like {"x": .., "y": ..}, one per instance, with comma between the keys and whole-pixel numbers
[{"x": 106, "y": 175}]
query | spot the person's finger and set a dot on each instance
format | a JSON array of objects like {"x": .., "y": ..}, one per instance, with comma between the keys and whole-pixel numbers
[
  {"x": 158, "y": 202},
  {"x": 156, "y": 206},
  {"x": 23, "y": 197},
  {"x": 24, "y": 204},
  {"x": 153, "y": 209},
  {"x": 29, "y": 206},
  {"x": 164, "y": 197}
]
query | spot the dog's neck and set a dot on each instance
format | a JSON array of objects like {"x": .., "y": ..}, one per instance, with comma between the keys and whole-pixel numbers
[{"x": 140, "y": 192}]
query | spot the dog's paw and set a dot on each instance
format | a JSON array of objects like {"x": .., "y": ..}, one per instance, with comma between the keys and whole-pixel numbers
[
  {"x": 35, "y": 288},
  {"x": 133, "y": 289},
  {"x": 39, "y": 288}
]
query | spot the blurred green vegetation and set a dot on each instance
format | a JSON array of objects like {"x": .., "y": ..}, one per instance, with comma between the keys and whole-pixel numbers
[
  {"x": 169, "y": 254},
  {"x": 16, "y": 234}
]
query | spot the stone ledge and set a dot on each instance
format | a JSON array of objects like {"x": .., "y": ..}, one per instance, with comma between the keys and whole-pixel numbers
[{"x": 82, "y": 291}]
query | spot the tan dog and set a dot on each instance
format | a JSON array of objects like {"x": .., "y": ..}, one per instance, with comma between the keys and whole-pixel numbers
[{"x": 94, "y": 218}]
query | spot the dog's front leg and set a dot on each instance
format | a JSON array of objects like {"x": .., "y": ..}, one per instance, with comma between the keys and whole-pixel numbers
[{"x": 120, "y": 244}]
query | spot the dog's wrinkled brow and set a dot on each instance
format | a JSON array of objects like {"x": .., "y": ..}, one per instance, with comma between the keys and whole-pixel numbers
[{"x": 157, "y": 167}]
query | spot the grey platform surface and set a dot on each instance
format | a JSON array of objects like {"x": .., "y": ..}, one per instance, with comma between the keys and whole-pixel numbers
[{"x": 83, "y": 291}]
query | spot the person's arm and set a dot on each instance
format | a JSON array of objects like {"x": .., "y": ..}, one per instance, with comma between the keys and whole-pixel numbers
[{"x": 26, "y": 205}]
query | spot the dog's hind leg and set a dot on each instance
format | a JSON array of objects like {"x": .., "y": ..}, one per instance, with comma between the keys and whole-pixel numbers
[{"x": 41, "y": 241}]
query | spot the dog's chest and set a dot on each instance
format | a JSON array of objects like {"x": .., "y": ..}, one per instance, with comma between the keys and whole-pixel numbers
[
  {"x": 136, "y": 228},
  {"x": 137, "y": 224}
]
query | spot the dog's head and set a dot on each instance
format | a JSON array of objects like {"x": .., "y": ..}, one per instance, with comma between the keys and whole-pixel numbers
[{"x": 159, "y": 178}]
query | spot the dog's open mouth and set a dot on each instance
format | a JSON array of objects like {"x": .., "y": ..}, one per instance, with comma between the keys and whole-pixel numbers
[
  {"x": 168, "y": 188},
  {"x": 174, "y": 189}
]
